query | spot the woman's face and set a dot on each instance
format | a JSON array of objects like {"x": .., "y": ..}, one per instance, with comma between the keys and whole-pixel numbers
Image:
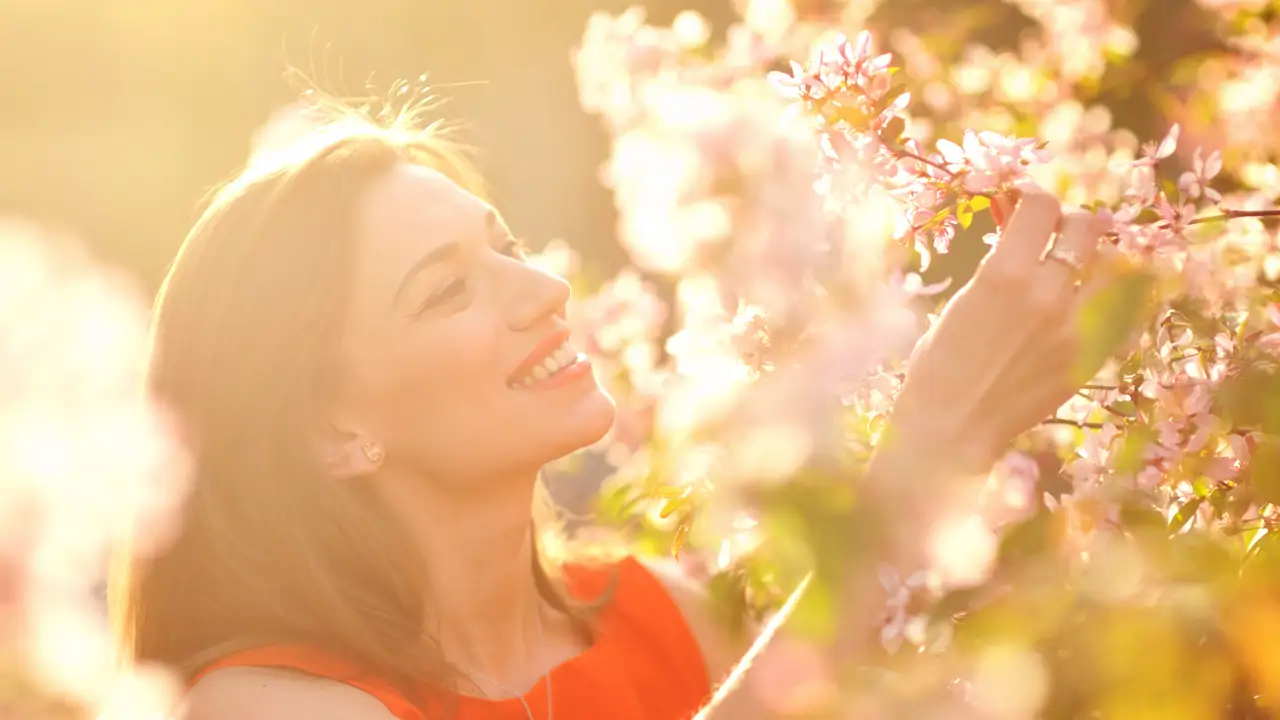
[{"x": 452, "y": 340}]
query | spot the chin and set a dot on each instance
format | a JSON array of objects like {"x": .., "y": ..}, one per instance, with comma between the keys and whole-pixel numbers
[{"x": 589, "y": 422}]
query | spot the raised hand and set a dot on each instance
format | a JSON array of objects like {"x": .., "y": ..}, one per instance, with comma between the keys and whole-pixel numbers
[{"x": 1015, "y": 342}]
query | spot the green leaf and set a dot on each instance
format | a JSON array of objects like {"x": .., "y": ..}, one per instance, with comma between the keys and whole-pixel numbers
[
  {"x": 1264, "y": 471},
  {"x": 1109, "y": 319},
  {"x": 1129, "y": 452},
  {"x": 728, "y": 594},
  {"x": 1131, "y": 366},
  {"x": 964, "y": 213},
  {"x": 1146, "y": 216},
  {"x": 1195, "y": 557},
  {"x": 978, "y": 203},
  {"x": 1200, "y": 322},
  {"x": 851, "y": 115},
  {"x": 1262, "y": 551},
  {"x": 1028, "y": 541},
  {"x": 678, "y": 542},
  {"x": 815, "y": 614},
  {"x": 1126, "y": 408},
  {"x": 893, "y": 130},
  {"x": 893, "y": 94},
  {"x": 956, "y": 602},
  {"x": 617, "y": 502},
  {"x": 937, "y": 218},
  {"x": 1185, "y": 513},
  {"x": 1251, "y": 399},
  {"x": 1219, "y": 500},
  {"x": 1136, "y": 515}
]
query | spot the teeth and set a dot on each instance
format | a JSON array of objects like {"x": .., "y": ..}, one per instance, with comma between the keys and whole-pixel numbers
[
  {"x": 561, "y": 358},
  {"x": 565, "y": 355}
]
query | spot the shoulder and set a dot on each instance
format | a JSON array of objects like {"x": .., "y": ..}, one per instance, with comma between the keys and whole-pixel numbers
[
  {"x": 720, "y": 650},
  {"x": 246, "y": 693}
]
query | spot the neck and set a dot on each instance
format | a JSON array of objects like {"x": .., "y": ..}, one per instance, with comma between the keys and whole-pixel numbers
[{"x": 483, "y": 605}]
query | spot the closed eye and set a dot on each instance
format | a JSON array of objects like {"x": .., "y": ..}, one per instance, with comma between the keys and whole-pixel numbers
[
  {"x": 455, "y": 287},
  {"x": 512, "y": 248}
]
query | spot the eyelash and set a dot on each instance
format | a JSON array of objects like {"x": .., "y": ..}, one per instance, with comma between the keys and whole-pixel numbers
[{"x": 512, "y": 248}]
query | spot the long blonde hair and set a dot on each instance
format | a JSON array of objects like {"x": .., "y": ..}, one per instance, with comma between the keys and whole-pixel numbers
[{"x": 245, "y": 353}]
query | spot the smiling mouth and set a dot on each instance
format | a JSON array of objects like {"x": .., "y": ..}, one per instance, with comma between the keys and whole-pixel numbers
[{"x": 558, "y": 361}]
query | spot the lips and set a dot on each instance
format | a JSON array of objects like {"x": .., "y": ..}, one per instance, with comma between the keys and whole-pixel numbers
[{"x": 551, "y": 355}]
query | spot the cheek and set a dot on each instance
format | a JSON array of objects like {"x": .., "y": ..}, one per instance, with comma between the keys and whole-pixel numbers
[
  {"x": 444, "y": 399},
  {"x": 444, "y": 408}
]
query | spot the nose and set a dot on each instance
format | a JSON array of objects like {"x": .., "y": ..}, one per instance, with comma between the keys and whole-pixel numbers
[{"x": 534, "y": 295}]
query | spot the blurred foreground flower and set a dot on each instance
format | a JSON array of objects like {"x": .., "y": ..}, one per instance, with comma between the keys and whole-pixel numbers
[{"x": 85, "y": 463}]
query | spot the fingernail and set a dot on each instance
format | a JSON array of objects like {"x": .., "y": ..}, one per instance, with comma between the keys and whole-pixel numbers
[{"x": 1001, "y": 208}]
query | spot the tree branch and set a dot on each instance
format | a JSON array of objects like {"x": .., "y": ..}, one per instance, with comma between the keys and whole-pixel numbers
[
  {"x": 926, "y": 161},
  {"x": 1233, "y": 215},
  {"x": 1073, "y": 423}
]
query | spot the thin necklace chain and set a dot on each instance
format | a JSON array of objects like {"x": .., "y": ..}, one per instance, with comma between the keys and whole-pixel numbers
[{"x": 518, "y": 695}]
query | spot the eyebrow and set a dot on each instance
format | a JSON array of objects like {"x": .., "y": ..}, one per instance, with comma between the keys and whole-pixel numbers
[{"x": 492, "y": 225}]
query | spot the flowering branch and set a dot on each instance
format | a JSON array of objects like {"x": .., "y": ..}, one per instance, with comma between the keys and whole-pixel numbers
[
  {"x": 1182, "y": 424},
  {"x": 918, "y": 158}
]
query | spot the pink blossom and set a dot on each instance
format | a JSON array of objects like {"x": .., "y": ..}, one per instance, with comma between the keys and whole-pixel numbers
[
  {"x": 988, "y": 161},
  {"x": 1154, "y": 153},
  {"x": 800, "y": 84},
  {"x": 1194, "y": 183},
  {"x": 1011, "y": 491},
  {"x": 1153, "y": 421},
  {"x": 913, "y": 284},
  {"x": 900, "y": 593}
]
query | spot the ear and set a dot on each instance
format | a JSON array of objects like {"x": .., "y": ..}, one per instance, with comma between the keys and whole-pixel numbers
[{"x": 350, "y": 455}]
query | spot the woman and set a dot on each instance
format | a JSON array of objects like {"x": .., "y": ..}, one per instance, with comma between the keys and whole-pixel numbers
[{"x": 370, "y": 378}]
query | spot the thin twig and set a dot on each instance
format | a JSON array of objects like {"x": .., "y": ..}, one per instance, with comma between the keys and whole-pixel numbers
[
  {"x": 926, "y": 161},
  {"x": 762, "y": 641},
  {"x": 1233, "y": 215},
  {"x": 1066, "y": 421},
  {"x": 1108, "y": 408}
]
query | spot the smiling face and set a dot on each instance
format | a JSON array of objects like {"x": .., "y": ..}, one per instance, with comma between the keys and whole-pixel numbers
[{"x": 454, "y": 350}]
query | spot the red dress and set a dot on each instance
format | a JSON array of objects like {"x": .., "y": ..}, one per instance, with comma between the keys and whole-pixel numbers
[{"x": 643, "y": 665}]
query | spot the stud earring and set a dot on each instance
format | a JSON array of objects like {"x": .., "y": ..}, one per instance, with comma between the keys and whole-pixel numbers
[{"x": 373, "y": 452}]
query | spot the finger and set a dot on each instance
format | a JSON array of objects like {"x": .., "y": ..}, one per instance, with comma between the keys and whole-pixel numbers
[
  {"x": 1026, "y": 235},
  {"x": 1070, "y": 252}
]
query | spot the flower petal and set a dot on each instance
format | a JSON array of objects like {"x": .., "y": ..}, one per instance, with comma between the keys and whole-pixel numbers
[{"x": 1169, "y": 144}]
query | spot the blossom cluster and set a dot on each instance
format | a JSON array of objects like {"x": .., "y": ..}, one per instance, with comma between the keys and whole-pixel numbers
[
  {"x": 86, "y": 463},
  {"x": 1175, "y": 432}
]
